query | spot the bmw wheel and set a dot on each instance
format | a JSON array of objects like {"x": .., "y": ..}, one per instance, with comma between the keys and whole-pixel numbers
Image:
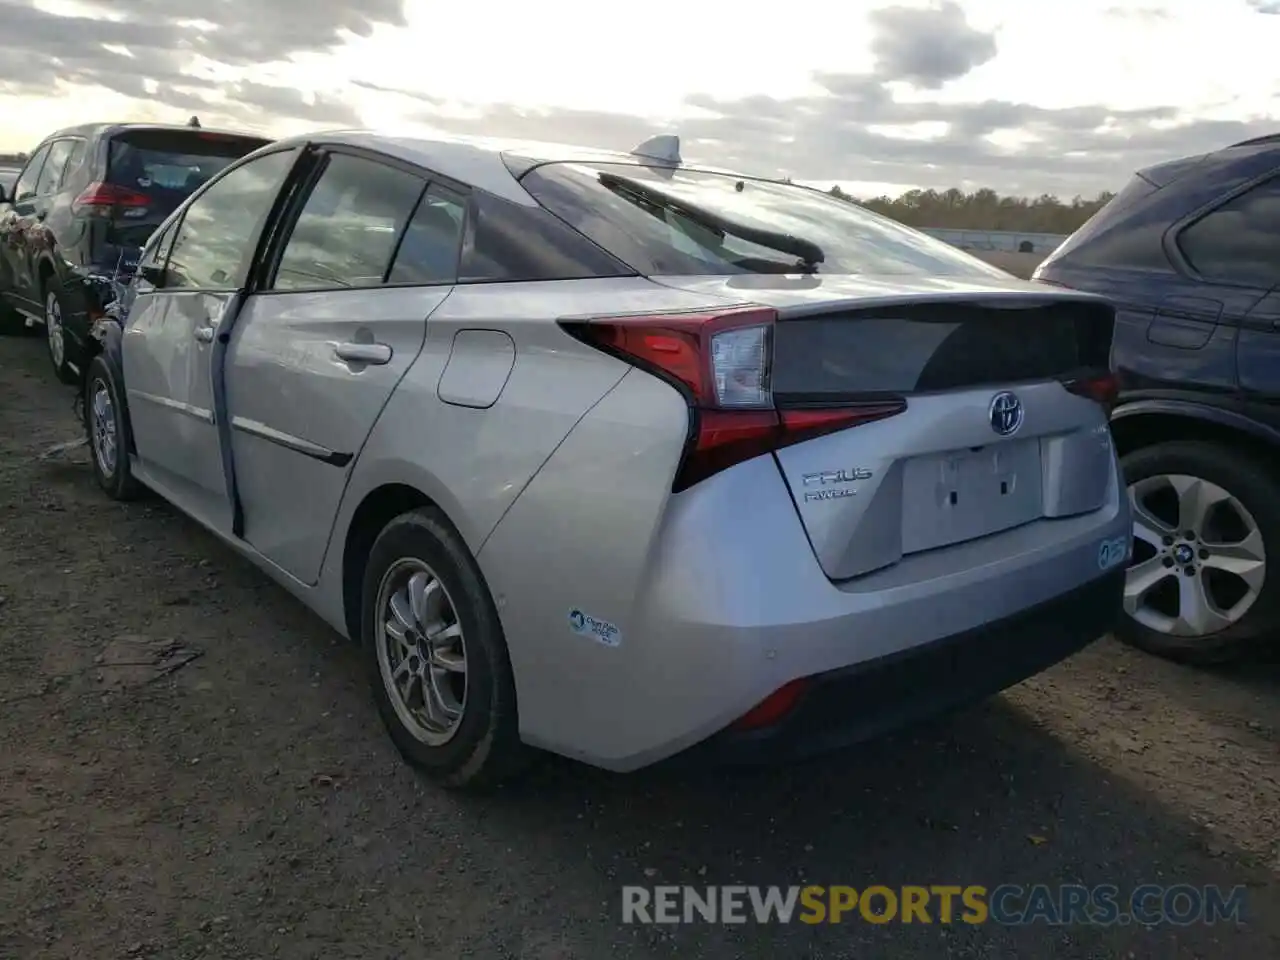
[
  {"x": 436, "y": 655},
  {"x": 1202, "y": 586}
]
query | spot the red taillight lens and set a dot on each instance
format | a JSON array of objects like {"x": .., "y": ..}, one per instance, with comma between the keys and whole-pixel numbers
[
  {"x": 773, "y": 707},
  {"x": 103, "y": 197},
  {"x": 1102, "y": 389},
  {"x": 722, "y": 363}
]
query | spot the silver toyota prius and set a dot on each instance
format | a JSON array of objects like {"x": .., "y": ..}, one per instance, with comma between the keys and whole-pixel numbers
[{"x": 619, "y": 456}]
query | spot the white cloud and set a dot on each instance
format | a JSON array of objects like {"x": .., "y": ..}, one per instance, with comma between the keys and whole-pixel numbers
[{"x": 1026, "y": 95}]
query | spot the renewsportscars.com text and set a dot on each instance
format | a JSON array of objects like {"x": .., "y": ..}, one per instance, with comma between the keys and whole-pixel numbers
[{"x": 1007, "y": 904}]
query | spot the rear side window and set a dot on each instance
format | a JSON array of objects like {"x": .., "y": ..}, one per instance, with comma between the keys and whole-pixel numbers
[
  {"x": 1120, "y": 234},
  {"x": 54, "y": 164},
  {"x": 25, "y": 188},
  {"x": 220, "y": 226},
  {"x": 428, "y": 252},
  {"x": 172, "y": 161},
  {"x": 74, "y": 159},
  {"x": 510, "y": 242},
  {"x": 692, "y": 223},
  {"x": 349, "y": 226},
  {"x": 1239, "y": 242}
]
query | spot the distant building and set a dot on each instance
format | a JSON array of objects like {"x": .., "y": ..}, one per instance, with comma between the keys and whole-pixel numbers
[{"x": 1009, "y": 241}]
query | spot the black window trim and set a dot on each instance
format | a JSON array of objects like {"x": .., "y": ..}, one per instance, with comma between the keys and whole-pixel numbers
[
  {"x": 1173, "y": 235},
  {"x": 320, "y": 152},
  {"x": 250, "y": 257}
]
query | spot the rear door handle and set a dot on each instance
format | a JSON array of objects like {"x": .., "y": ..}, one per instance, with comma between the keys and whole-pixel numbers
[
  {"x": 204, "y": 334},
  {"x": 374, "y": 353}
]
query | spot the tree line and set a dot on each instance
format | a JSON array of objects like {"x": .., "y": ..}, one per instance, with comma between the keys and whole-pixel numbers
[{"x": 984, "y": 210}]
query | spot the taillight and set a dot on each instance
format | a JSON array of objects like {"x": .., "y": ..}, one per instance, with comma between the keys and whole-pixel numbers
[
  {"x": 722, "y": 363},
  {"x": 105, "y": 197},
  {"x": 1102, "y": 389}
]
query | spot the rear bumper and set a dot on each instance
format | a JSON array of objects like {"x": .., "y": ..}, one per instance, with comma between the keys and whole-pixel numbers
[{"x": 849, "y": 705}]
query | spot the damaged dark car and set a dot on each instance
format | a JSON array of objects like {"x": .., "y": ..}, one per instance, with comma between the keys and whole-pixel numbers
[{"x": 74, "y": 223}]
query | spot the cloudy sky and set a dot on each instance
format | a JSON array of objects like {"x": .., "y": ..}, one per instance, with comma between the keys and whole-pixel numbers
[{"x": 1025, "y": 96}]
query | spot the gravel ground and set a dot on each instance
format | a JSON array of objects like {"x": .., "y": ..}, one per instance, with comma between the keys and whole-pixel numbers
[{"x": 191, "y": 767}]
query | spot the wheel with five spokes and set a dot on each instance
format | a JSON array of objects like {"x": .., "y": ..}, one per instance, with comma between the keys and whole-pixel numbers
[
  {"x": 436, "y": 654},
  {"x": 106, "y": 424},
  {"x": 1202, "y": 586}
]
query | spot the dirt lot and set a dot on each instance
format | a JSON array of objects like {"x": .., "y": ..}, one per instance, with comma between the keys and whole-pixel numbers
[
  {"x": 191, "y": 767},
  {"x": 1019, "y": 264}
]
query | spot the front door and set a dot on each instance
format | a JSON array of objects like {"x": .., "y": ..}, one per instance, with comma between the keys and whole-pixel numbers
[
  {"x": 315, "y": 355},
  {"x": 14, "y": 243},
  {"x": 170, "y": 343},
  {"x": 1258, "y": 358}
]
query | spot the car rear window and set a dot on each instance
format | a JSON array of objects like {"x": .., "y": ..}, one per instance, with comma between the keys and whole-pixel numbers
[
  {"x": 665, "y": 222},
  {"x": 1107, "y": 239},
  {"x": 175, "y": 161}
]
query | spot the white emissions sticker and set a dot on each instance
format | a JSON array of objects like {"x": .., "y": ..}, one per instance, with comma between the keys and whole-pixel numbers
[{"x": 585, "y": 625}]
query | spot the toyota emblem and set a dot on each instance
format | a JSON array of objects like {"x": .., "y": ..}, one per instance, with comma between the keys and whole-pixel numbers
[{"x": 1005, "y": 413}]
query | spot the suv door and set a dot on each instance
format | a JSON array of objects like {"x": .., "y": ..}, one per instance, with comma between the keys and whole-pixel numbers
[
  {"x": 1234, "y": 249},
  {"x": 13, "y": 222},
  {"x": 32, "y": 213},
  {"x": 170, "y": 340},
  {"x": 315, "y": 355}
]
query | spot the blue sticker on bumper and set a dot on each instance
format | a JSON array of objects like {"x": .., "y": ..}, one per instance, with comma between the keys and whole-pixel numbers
[{"x": 1113, "y": 552}]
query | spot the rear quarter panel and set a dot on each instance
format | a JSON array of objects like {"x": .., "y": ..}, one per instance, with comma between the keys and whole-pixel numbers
[{"x": 473, "y": 461}]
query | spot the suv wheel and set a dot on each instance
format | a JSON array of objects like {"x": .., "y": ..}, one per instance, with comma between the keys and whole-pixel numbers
[
  {"x": 57, "y": 336},
  {"x": 1204, "y": 582},
  {"x": 436, "y": 655}
]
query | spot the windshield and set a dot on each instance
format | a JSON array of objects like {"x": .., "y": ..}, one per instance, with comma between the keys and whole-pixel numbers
[{"x": 666, "y": 222}]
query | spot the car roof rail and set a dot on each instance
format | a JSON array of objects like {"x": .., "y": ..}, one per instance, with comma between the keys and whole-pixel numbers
[
  {"x": 1256, "y": 141},
  {"x": 665, "y": 148}
]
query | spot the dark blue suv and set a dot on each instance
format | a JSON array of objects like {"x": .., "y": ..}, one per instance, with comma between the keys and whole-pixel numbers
[
  {"x": 1189, "y": 251},
  {"x": 79, "y": 212}
]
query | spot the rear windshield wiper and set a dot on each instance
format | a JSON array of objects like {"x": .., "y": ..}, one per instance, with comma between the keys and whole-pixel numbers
[{"x": 806, "y": 251}]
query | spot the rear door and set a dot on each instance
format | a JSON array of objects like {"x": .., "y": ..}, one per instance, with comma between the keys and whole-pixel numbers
[
  {"x": 170, "y": 344},
  {"x": 1231, "y": 255},
  {"x": 147, "y": 173},
  {"x": 318, "y": 350}
]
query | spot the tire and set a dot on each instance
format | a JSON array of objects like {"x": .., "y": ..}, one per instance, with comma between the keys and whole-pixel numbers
[
  {"x": 1253, "y": 502},
  {"x": 483, "y": 745},
  {"x": 56, "y": 335},
  {"x": 114, "y": 475}
]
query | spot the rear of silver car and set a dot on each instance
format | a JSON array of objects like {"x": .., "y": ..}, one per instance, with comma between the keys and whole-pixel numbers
[{"x": 813, "y": 510}]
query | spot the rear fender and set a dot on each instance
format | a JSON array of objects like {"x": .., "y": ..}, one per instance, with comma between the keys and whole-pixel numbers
[{"x": 1192, "y": 410}]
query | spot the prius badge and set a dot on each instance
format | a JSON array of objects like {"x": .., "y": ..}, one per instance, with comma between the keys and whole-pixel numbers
[{"x": 824, "y": 479}]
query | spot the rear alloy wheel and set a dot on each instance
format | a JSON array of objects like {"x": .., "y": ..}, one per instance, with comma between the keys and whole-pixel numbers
[
  {"x": 437, "y": 658},
  {"x": 1205, "y": 523},
  {"x": 57, "y": 337},
  {"x": 106, "y": 426}
]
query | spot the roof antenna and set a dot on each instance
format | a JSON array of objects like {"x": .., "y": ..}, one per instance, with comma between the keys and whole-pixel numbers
[
  {"x": 194, "y": 123},
  {"x": 665, "y": 148}
]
